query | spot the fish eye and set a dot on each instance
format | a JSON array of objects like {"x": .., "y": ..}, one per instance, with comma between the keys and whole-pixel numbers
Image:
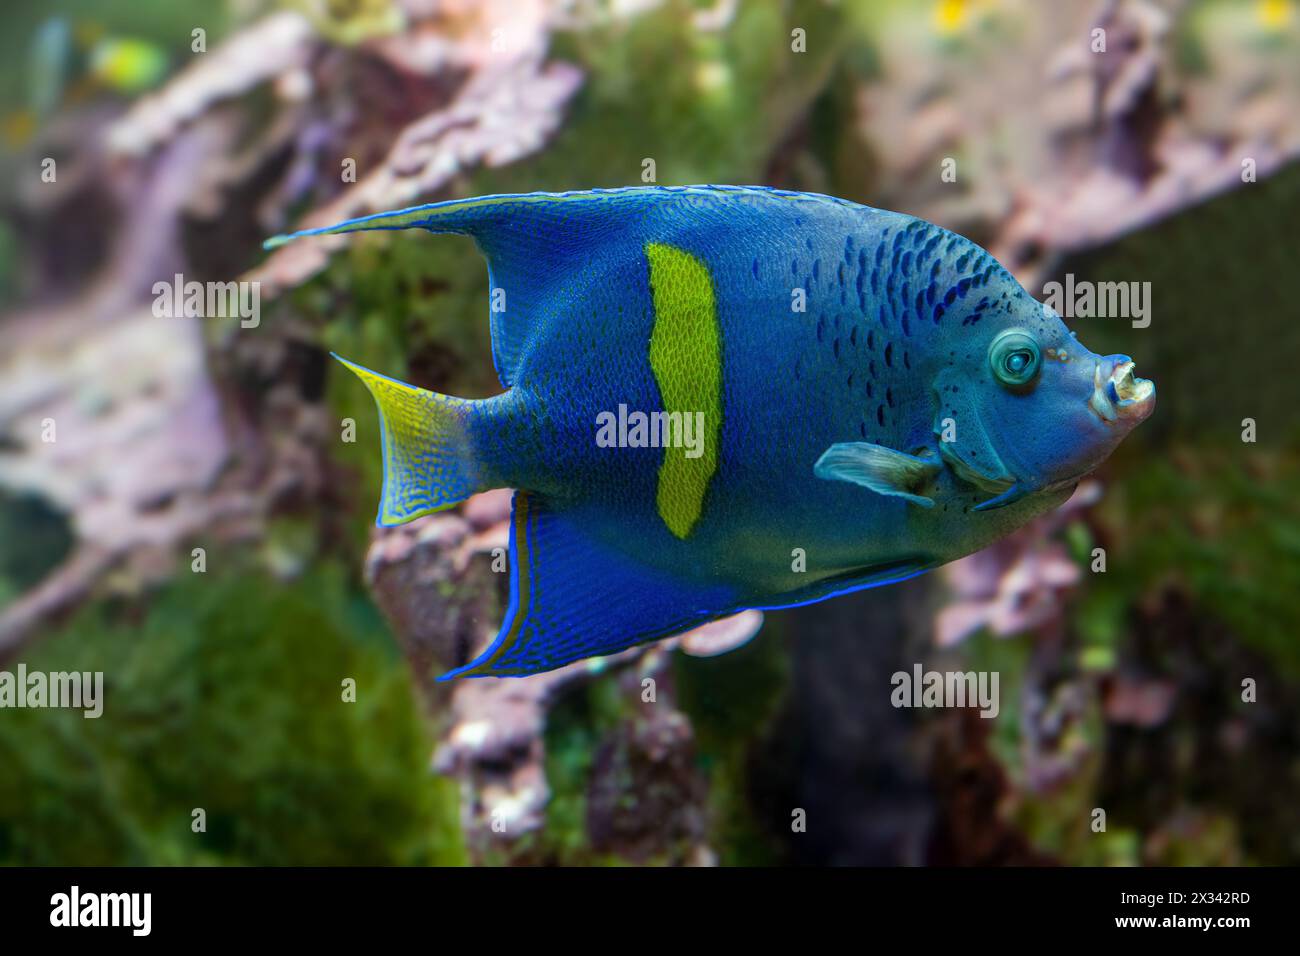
[{"x": 1015, "y": 358}]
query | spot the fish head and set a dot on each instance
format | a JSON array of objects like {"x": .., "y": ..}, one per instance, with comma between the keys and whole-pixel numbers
[{"x": 1032, "y": 408}]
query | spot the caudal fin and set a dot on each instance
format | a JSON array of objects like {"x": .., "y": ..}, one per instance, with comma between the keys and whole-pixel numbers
[{"x": 429, "y": 463}]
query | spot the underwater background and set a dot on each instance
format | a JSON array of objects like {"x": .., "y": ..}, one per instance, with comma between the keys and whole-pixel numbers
[{"x": 201, "y": 531}]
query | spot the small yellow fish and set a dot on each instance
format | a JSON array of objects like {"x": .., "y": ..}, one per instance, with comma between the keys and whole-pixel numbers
[
  {"x": 127, "y": 65},
  {"x": 17, "y": 128}
]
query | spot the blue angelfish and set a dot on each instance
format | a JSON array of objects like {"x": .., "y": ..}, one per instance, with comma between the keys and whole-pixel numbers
[{"x": 720, "y": 398}]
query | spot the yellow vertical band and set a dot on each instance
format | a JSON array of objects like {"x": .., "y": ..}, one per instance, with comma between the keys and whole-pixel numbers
[{"x": 686, "y": 358}]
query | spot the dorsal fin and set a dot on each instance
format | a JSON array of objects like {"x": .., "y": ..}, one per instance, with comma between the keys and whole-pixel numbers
[
  {"x": 535, "y": 243},
  {"x": 531, "y": 242}
]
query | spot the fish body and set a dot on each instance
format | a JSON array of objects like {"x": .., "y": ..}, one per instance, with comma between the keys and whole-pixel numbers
[{"x": 722, "y": 398}]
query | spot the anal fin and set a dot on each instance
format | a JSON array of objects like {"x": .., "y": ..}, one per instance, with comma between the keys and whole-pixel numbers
[{"x": 573, "y": 596}]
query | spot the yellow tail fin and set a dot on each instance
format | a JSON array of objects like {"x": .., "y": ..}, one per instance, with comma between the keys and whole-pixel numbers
[{"x": 429, "y": 464}]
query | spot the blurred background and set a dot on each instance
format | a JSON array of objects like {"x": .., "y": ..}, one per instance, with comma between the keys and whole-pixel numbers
[{"x": 202, "y": 528}]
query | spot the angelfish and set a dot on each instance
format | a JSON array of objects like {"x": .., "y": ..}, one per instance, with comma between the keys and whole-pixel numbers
[{"x": 877, "y": 395}]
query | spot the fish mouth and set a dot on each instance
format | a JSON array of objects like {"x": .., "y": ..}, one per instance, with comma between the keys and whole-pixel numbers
[{"x": 1121, "y": 396}]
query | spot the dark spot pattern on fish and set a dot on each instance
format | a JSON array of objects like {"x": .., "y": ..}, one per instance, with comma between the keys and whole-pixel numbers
[{"x": 861, "y": 279}]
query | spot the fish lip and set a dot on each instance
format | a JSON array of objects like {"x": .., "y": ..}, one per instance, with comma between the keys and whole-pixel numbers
[{"x": 1121, "y": 395}]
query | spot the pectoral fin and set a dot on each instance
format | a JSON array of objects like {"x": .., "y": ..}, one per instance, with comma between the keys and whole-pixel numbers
[{"x": 883, "y": 470}]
